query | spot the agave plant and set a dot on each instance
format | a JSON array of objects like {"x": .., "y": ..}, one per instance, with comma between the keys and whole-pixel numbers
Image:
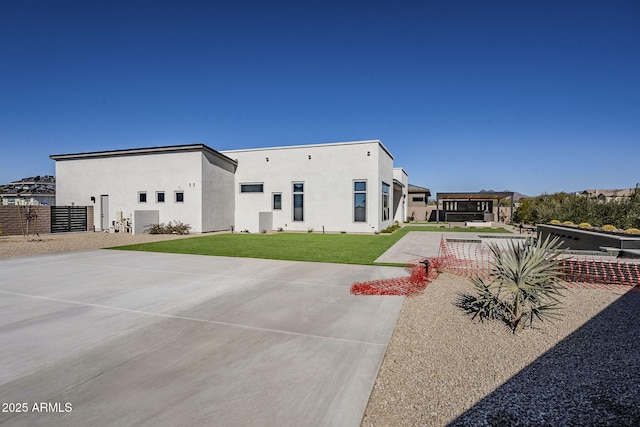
[{"x": 524, "y": 284}]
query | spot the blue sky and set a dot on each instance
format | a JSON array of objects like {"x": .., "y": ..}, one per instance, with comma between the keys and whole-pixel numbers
[{"x": 535, "y": 97}]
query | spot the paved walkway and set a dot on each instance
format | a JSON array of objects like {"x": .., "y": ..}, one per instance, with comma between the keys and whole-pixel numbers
[
  {"x": 129, "y": 338},
  {"x": 424, "y": 244}
]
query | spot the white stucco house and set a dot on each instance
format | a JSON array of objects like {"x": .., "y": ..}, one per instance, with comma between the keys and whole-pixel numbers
[{"x": 346, "y": 186}]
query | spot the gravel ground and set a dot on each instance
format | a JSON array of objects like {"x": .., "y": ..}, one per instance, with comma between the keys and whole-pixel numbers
[
  {"x": 443, "y": 369},
  {"x": 12, "y": 246}
]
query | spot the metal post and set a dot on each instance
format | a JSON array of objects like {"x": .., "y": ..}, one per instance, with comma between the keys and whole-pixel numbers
[{"x": 426, "y": 266}]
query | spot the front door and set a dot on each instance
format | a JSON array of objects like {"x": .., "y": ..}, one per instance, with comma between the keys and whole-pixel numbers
[{"x": 104, "y": 212}]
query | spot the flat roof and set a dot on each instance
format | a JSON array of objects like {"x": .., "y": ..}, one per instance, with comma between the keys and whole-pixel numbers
[
  {"x": 417, "y": 189},
  {"x": 481, "y": 195},
  {"x": 142, "y": 151},
  {"x": 326, "y": 144}
]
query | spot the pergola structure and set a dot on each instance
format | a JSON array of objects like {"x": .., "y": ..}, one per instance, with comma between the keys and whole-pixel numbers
[{"x": 470, "y": 206}]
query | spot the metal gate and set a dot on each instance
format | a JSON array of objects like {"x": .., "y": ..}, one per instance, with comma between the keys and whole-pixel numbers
[{"x": 68, "y": 218}]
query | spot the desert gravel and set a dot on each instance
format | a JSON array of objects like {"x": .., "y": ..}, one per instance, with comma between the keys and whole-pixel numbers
[
  {"x": 13, "y": 246},
  {"x": 441, "y": 368}
]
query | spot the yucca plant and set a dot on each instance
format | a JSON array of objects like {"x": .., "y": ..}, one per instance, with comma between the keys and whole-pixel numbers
[{"x": 524, "y": 285}]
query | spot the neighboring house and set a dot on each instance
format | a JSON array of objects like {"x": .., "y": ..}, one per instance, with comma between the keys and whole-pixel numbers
[
  {"x": 608, "y": 195},
  {"x": 349, "y": 186},
  {"x": 418, "y": 200},
  {"x": 37, "y": 190}
]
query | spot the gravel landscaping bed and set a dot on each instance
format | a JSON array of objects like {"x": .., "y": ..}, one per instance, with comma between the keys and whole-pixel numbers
[
  {"x": 443, "y": 369},
  {"x": 12, "y": 246}
]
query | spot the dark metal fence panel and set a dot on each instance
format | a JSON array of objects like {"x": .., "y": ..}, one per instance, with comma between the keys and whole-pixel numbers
[{"x": 68, "y": 218}]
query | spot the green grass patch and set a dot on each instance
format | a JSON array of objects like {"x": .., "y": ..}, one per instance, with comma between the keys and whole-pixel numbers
[{"x": 336, "y": 248}]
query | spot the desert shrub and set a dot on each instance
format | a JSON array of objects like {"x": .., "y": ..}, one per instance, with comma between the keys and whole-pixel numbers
[
  {"x": 391, "y": 228},
  {"x": 176, "y": 227},
  {"x": 632, "y": 230},
  {"x": 555, "y": 221},
  {"x": 568, "y": 223},
  {"x": 524, "y": 285},
  {"x": 155, "y": 229},
  {"x": 584, "y": 225},
  {"x": 609, "y": 227},
  {"x": 623, "y": 212}
]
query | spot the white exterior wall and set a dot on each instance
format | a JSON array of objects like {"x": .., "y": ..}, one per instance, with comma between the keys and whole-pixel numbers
[
  {"x": 122, "y": 177},
  {"x": 218, "y": 196},
  {"x": 385, "y": 171},
  {"x": 328, "y": 172},
  {"x": 402, "y": 199}
]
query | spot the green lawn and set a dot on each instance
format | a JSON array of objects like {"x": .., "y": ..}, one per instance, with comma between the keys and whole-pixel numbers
[{"x": 336, "y": 248}]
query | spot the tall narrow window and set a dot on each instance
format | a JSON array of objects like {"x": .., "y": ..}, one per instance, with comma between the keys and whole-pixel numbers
[
  {"x": 277, "y": 201},
  {"x": 360, "y": 201},
  {"x": 385, "y": 202},
  {"x": 298, "y": 201}
]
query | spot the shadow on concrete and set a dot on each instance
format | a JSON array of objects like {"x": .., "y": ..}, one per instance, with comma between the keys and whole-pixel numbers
[{"x": 590, "y": 378}]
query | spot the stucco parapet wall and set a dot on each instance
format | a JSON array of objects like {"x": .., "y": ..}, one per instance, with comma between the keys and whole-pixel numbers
[
  {"x": 297, "y": 147},
  {"x": 144, "y": 151}
]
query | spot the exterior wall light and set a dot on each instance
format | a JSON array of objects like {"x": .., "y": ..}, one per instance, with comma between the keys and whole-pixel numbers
[
  {"x": 267, "y": 159},
  {"x": 368, "y": 153},
  {"x": 309, "y": 156}
]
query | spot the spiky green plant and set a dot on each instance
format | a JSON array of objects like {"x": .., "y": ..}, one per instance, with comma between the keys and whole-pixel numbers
[{"x": 524, "y": 284}]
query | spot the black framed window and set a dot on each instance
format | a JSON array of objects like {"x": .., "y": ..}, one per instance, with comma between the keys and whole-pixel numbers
[
  {"x": 277, "y": 201},
  {"x": 251, "y": 188},
  {"x": 298, "y": 201},
  {"x": 360, "y": 201}
]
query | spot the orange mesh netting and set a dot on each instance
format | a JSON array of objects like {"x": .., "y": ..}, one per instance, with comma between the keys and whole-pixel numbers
[{"x": 472, "y": 258}]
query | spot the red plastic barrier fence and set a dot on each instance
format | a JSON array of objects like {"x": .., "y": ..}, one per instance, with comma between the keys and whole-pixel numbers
[{"x": 472, "y": 258}]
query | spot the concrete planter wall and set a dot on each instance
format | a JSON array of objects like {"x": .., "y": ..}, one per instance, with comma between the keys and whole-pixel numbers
[{"x": 588, "y": 239}]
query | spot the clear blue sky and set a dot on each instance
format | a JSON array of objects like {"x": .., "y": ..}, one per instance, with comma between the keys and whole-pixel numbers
[{"x": 537, "y": 96}]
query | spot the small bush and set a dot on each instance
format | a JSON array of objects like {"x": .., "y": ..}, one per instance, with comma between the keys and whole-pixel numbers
[
  {"x": 584, "y": 225},
  {"x": 343, "y": 232},
  {"x": 264, "y": 231},
  {"x": 609, "y": 227},
  {"x": 309, "y": 230},
  {"x": 280, "y": 229},
  {"x": 391, "y": 228},
  {"x": 176, "y": 227},
  {"x": 632, "y": 230},
  {"x": 554, "y": 221},
  {"x": 568, "y": 223}
]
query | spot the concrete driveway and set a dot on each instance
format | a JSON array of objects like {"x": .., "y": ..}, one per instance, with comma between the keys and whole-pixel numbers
[{"x": 130, "y": 338}]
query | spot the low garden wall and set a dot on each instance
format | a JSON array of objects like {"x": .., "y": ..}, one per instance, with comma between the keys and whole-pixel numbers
[
  {"x": 22, "y": 220},
  {"x": 576, "y": 238},
  {"x": 17, "y": 220}
]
